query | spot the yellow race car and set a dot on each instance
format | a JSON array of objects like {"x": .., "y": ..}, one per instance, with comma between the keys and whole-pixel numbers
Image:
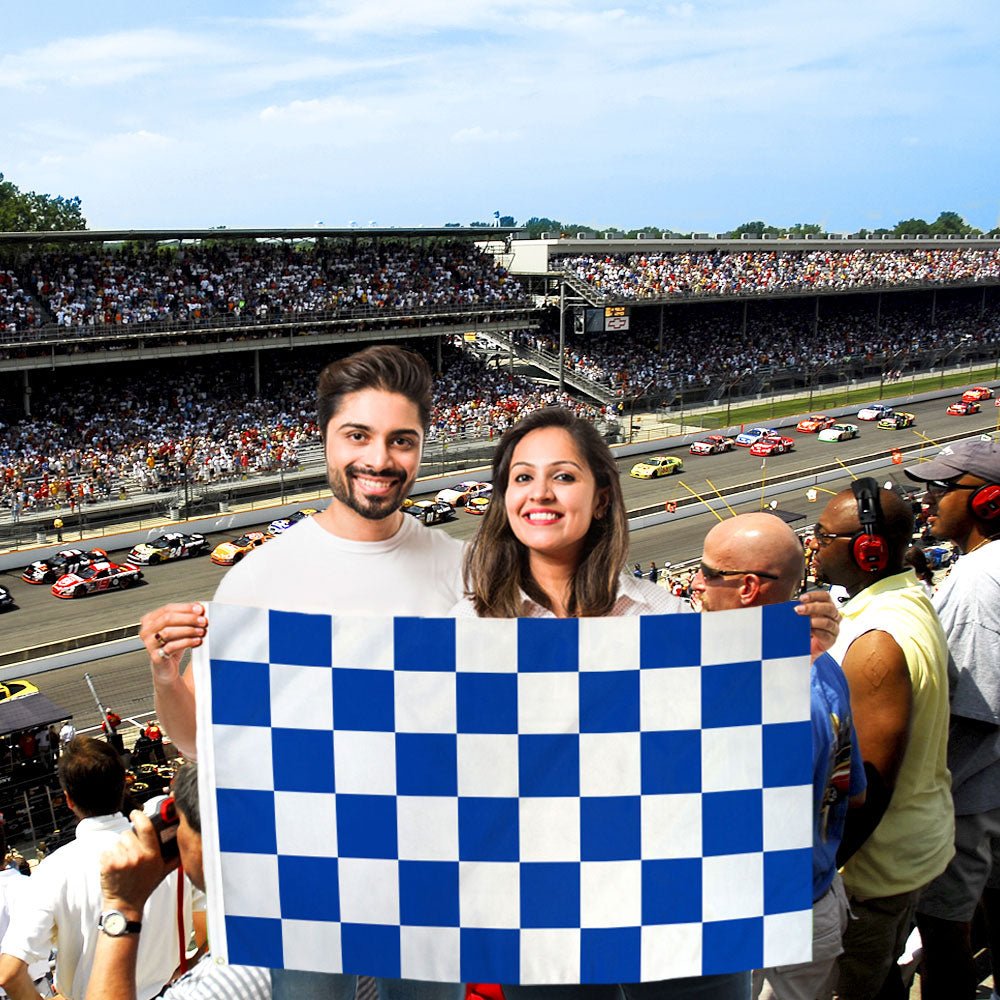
[
  {"x": 16, "y": 689},
  {"x": 230, "y": 553},
  {"x": 658, "y": 465}
]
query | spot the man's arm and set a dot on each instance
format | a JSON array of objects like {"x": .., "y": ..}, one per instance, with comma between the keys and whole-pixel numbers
[{"x": 15, "y": 980}]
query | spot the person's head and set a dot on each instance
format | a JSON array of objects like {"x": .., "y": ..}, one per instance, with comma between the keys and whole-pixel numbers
[
  {"x": 373, "y": 412},
  {"x": 92, "y": 776},
  {"x": 185, "y": 792},
  {"x": 917, "y": 558},
  {"x": 962, "y": 491},
  {"x": 557, "y": 502},
  {"x": 844, "y": 553},
  {"x": 747, "y": 561}
]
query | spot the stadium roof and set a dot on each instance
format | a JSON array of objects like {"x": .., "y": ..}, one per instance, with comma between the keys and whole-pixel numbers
[{"x": 305, "y": 232}]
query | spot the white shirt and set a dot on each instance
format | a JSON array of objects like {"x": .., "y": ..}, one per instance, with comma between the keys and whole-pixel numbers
[{"x": 13, "y": 885}]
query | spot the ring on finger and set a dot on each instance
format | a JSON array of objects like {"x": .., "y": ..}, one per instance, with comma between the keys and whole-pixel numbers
[
  {"x": 163, "y": 653},
  {"x": 160, "y": 641}
]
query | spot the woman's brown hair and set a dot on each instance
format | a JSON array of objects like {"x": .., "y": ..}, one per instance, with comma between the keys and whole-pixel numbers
[{"x": 496, "y": 563}]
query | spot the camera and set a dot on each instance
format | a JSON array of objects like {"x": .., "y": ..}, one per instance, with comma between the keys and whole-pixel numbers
[{"x": 165, "y": 821}]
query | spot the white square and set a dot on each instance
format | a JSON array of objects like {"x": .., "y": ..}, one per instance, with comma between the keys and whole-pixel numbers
[
  {"x": 731, "y": 636},
  {"x": 247, "y": 632},
  {"x": 488, "y": 765},
  {"x": 306, "y": 823},
  {"x": 363, "y": 643},
  {"x": 609, "y": 643},
  {"x": 364, "y": 763},
  {"x": 671, "y": 826},
  {"x": 672, "y": 950},
  {"x": 312, "y": 945},
  {"x": 427, "y": 828},
  {"x": 610, "y": 764},
  {"x": 788, "y": 818},
  {"x": 670, "y": 699},
  {"x": 548, "y": 703},
  {"x": 550, "y": 955},
  {"x": 486, "y": 645},
  {"x": 549, "y": 829},
  {"x": 369, "y": 891},
  {"x": 490, "y": 894},
  {"x": 250, "y": 885},
  {"x": 425, "y": 701},
  {"x": 731, "y": 758},
  {"x": 430, "y": 954},
  {"x": 235, "y": 747},
  {"x": 732, "y": 887},
  {"x": 785, "y": 690},
  {"x": 788, "y": 938},
  {"x": 301, "y": 697},
  {"x": 610, "y": 893}
]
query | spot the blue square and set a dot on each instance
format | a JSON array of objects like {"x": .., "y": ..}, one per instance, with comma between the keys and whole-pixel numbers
[
  {"x": 309, "y": 888},
  {"x": 609, "y": 701},
  {"x": 730, "y": 694},
  {"x": 611, "y": 955},
  {"x": 490, "y": 956},
  {"x": 669, "y": 641},
  {"x": 241, "y": 693},
  {"x": 671, "y": 891},
  {"x": 302, "y": 760},
  {"x": 784, "y": 632},
  {"x": 732, "y": 946},
  {"x": 787, "y": 754},
  {"x": 547, "y": 644},
  {"x": 488, "y": 829},
  {"x": 428, "y": 893},
  {"x": 255, "y": 941},
  {"x": 486, "y": 703},
  {"x": 364, "y": 700},
  {"x": 548, "y": 765},
  {"x": 424, "y": 644},
  {"x": 426, "y": 764},
  {"x": 365, "y": 947},
  {"x": 366, "y": 826},
  {"x": 671, "y": 762},
  {"x": 300, "y": 640},
  {"x": 246, "y": 821},
  {"x": 550, "y": 894},
  {"x": 611, "y": 828},
  {"x": 788, "y": 881},
  {"x": 732, "y": 822}
]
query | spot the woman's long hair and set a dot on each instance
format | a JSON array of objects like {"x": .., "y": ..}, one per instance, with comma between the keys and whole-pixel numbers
[{"x": 496, "y": 568}]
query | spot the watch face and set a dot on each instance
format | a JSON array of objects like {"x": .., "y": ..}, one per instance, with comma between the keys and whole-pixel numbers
[{"x": 114, "y": 923}]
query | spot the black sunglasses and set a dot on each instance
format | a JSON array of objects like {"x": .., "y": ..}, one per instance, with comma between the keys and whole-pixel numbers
[{"x": 711, "y": 573}]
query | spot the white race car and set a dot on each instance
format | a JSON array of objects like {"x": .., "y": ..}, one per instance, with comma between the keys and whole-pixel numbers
[
  {"x": 839, "y": 432},
  {"x": 875, "y": 411}
]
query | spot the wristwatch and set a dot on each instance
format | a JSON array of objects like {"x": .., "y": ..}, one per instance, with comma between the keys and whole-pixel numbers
[{"x": 114, "y": 923}]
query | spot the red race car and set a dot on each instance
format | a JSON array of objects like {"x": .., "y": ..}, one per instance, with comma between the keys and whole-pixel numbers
[
  {"x": 977, "y": 394},
  {"x": 962, "y": 408},
  {"x": 714, "y": 444},
  {"x": 772, "y": 446},
  {"x": 95, "y": 578},
  {"x": 814, "y": 424}
]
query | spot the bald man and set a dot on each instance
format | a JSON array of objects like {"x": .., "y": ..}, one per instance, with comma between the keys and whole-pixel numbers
[
  {"x": 895, "y": 657},
  {"x": 749, "y": 561}
]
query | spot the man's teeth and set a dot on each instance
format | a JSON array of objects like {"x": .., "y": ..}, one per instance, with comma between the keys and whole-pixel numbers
[
  {"x": 373, "y": 484},
  {"x": 542, "y": 516}
]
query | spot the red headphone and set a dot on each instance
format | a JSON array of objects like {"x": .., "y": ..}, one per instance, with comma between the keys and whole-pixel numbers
[
  {"x": 985, "y": 502},
  {"x": 868, "y": 548}
]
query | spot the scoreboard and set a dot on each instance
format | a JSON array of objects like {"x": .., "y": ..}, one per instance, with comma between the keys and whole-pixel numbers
[{"x": 610, "y": 319}]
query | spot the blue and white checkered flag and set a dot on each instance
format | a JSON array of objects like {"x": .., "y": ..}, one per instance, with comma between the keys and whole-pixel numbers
[{"x": 533, "y": 801}]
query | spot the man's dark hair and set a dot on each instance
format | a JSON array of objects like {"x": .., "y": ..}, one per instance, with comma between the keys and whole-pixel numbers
[
  {"x": 185, "y": 792},
  {"x": 383, "y": 367},
  {"x": 93, "y": 776}
]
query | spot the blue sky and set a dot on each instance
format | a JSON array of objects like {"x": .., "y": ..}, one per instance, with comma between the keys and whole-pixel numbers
[{"x": 695, "y": 115}]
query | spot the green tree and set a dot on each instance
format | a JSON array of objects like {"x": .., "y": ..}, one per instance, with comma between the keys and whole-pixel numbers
[
  {"x": 27, "y": 211},
  {"x": 911, "y": 227}
]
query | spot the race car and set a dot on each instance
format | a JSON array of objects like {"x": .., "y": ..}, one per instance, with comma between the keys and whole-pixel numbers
[
  {"x": 478, "y": 505},
  {"x": 9, "y": 690},
  {"x": 771, "y": 446},
  {"x": 95, "y": 578},
  {"x": 838, "y": 432},
  {"x": 977, "y": 394},
  {"x": 230, "y": 553},
  {"x": 962, "y": 408},
  {"x": 875, "y": 411},
  {"x": 714, "y": 444},
  {"x": 940, "y": 556},
  {"x": 431, "y": 511},
  {"x": 460, "y": 494},
  {"x": 754, "y": 434},
  {"x": 63, "y": 562},
  {"x": 172, "y": 545},
  {"x": 897, "y": 421},
  {"x": 814, "y": 424},
  {"x": 6, "y": 601},
  {"x": 277, "y": 526},
  {"x": 658, "y": 465}
]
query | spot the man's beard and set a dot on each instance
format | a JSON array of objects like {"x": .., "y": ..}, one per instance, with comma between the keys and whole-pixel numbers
[{"x": 372, "y": 508}]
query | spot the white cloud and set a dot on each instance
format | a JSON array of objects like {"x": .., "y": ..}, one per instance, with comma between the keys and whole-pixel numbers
[
  {"x": 479, "y": 134},
  {"x": 319, "y": 111}
]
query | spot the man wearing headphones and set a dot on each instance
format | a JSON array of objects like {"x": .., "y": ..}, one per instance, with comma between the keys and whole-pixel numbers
[
  {"x": 963, "y": 498},
  {"x": 895, "y": 657}
]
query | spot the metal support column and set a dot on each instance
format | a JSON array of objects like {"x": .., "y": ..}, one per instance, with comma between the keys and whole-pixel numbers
[
  {"x": 934, "y": 307},
  {"x": 743, "y": 327},
  {"x": 27, "y": 393},
  {"x": 256, "y": 373},
  {"x": 437, "y": 353},
  {"x": 816, "y": 318},
  {"x": 878, "y": 312},
  {"x": 660, "y": 344},
  {"x": 562, "y": 335}
]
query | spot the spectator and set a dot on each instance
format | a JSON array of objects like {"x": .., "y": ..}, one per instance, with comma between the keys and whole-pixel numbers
[
  {"x": 917, "y": 560},
  {"x": 13, "y": 885}
]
